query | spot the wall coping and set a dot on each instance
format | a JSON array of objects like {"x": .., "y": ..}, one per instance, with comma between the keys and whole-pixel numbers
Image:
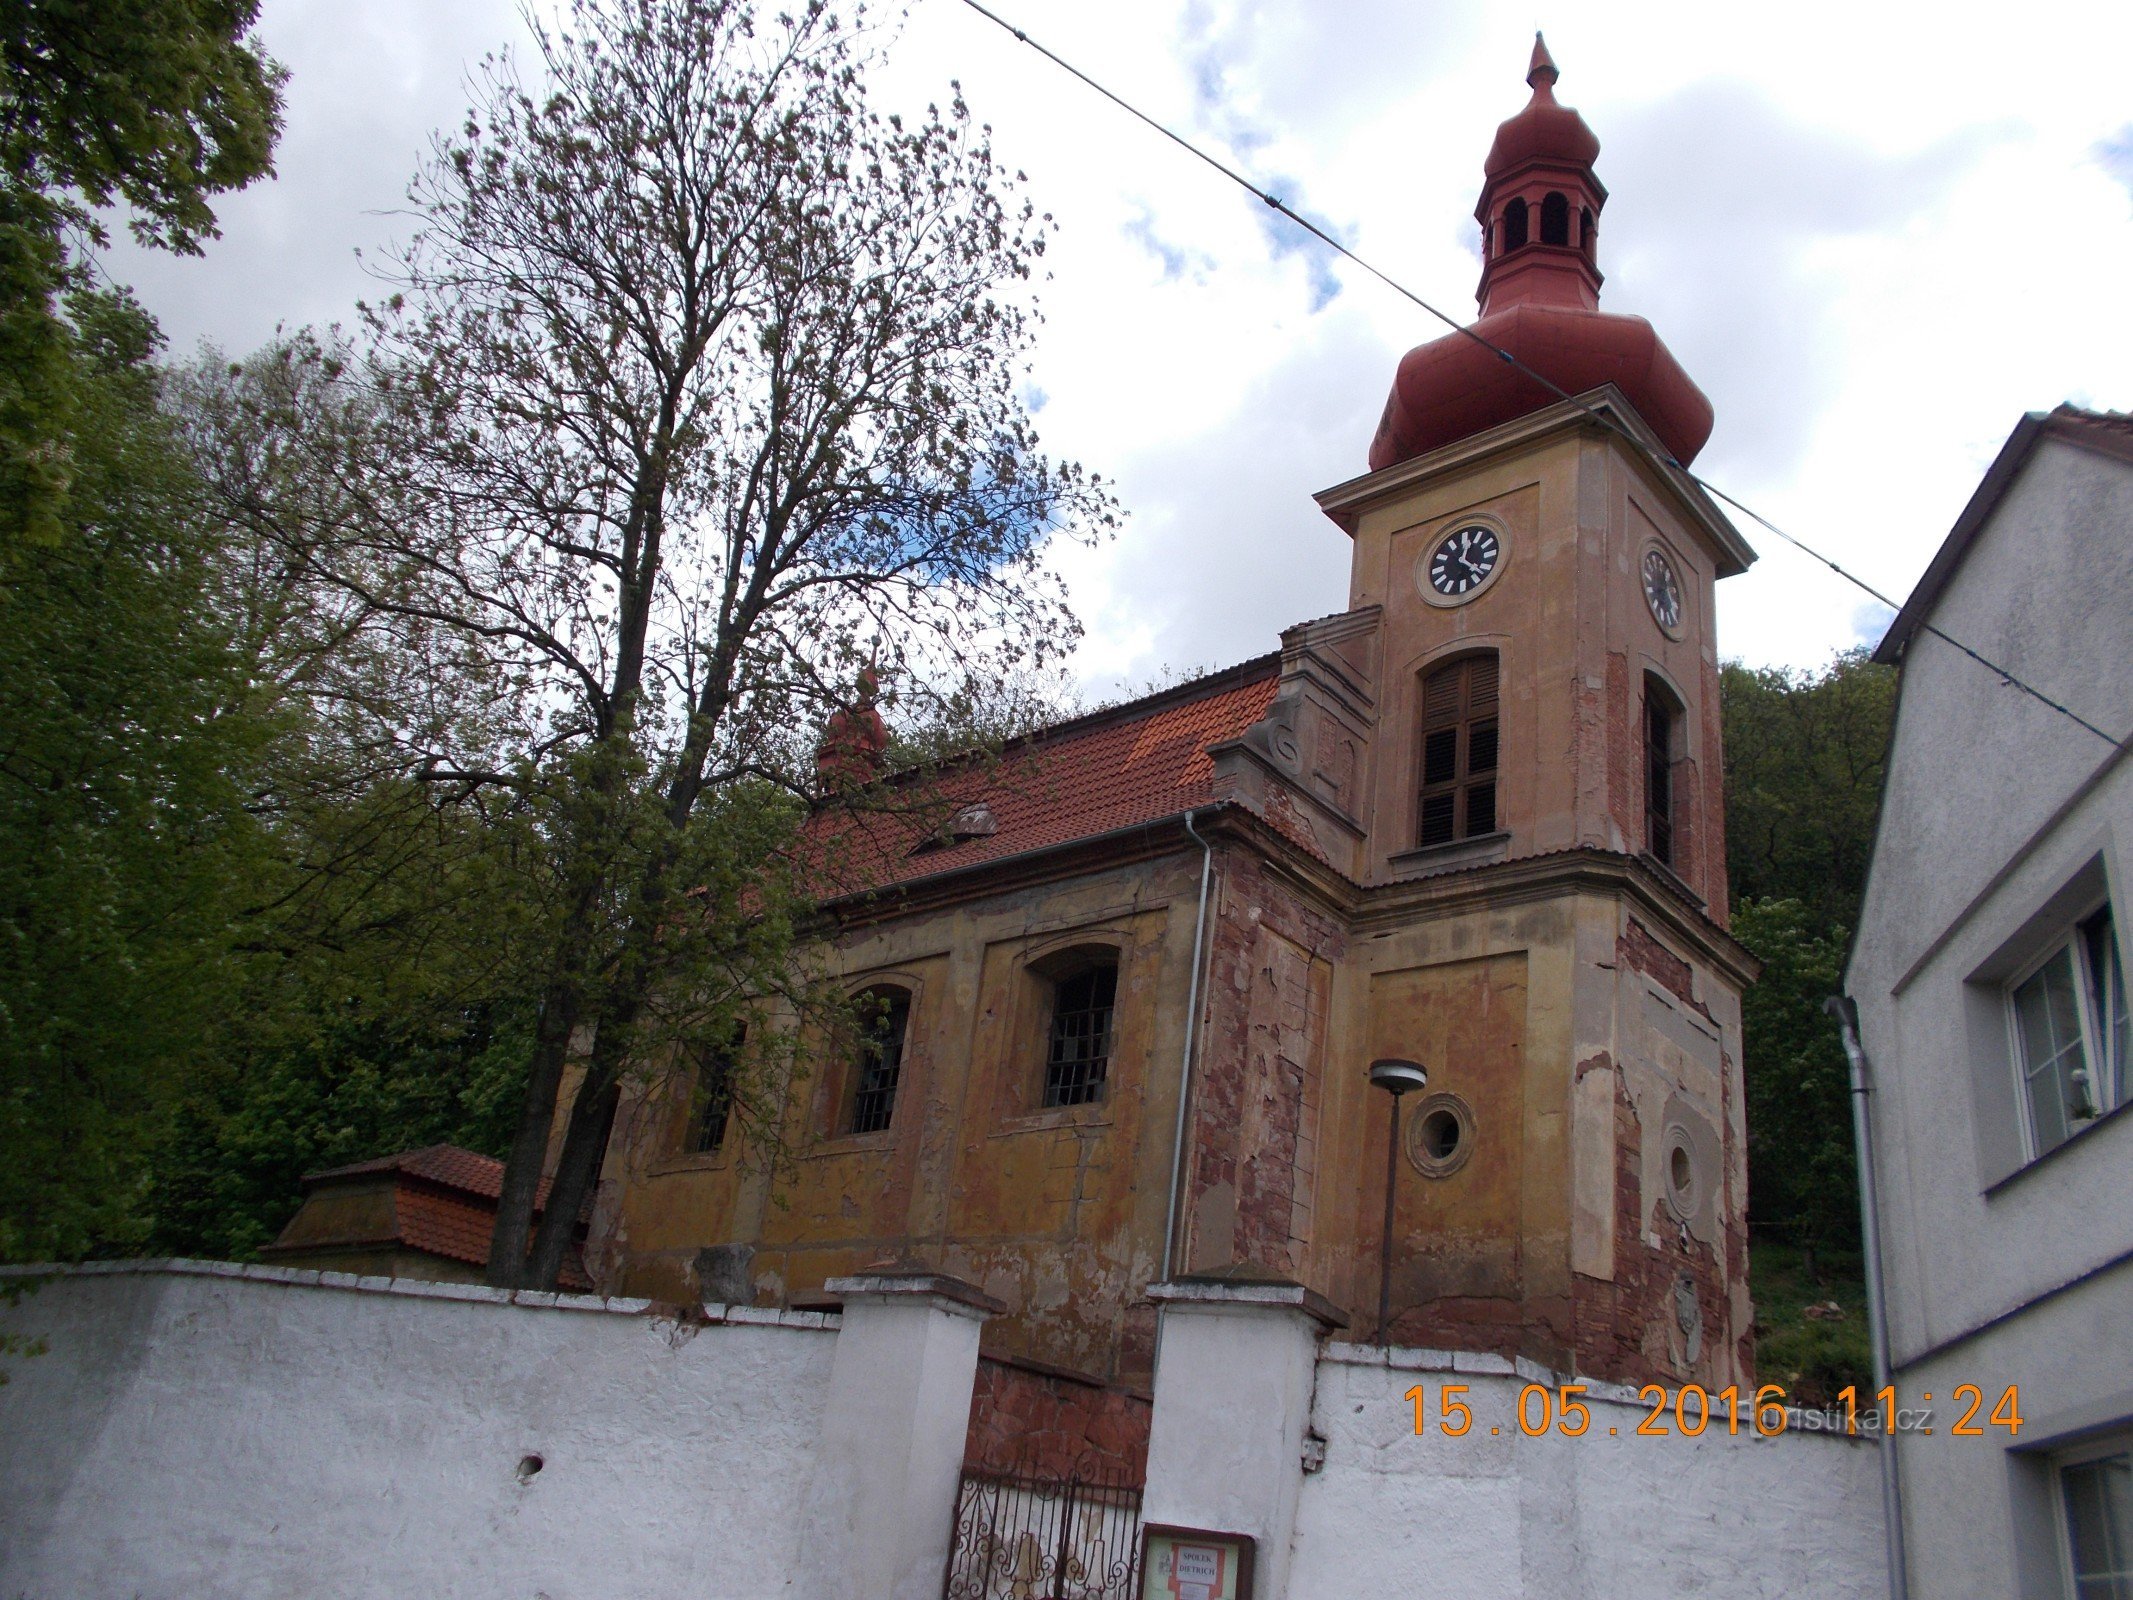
[
  {"x": 1481, "y": 1364},
  {"x": 1226, "y": 1289},
  {"x": 940, "y": 1290},
  {"x": 423, "y": 1289}
]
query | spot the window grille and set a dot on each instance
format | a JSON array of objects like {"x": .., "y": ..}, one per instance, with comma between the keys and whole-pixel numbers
[
  {"x": 712, "y": 1101},
  {"x": 1459, "y": 751},
  {"x": 884, "y": 1017},
  {"x": 1079, "y": 1054}
]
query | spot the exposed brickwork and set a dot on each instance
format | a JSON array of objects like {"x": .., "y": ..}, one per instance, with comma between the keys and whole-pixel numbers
[
  {"x": 1628, "y": 1330},
  {"x": 1637, "y": 948},
  {"x": 1258, "y": 1082},
  {"x": 1045, "y": 1424},
  {"x": 1625, "y": 745}
]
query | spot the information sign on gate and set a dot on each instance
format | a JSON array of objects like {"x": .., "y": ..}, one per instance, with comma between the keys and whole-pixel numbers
[{"x": 1195, "y": 1564}]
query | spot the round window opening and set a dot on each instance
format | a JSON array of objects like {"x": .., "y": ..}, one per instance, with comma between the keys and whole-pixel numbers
[
  {"x": 1681, "y": 1174},
  {"x": 1440, "y": 1135}
]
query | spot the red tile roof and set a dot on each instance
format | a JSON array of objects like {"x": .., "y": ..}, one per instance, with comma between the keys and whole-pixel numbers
[
  {"x": 1140, "y": 762},
  {"x": 445, "y": 1164},
  {"x": 451, "y": 1212}
]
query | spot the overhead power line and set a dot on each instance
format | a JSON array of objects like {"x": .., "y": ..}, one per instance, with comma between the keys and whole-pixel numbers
[{"x": 1276, "y": 203}]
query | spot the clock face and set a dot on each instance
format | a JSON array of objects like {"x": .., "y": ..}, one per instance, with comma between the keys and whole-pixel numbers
[
  {"x": 1662, "y": 591},
  {"x": 1463, "y": 562}
]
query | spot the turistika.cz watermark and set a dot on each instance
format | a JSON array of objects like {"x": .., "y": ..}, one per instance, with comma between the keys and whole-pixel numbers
[{"x": 1691, "y": 1411}]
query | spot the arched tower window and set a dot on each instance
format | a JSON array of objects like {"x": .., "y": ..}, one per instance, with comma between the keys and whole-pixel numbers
[
  {"x": 1662, "y": 748},
  {"x": 1514, "y": 225},
  {"x": 1555, "y": 219},
  {"x": 1457, "y": 797},
  {"x": 884, "y": 1015},
  {"x": 1585, "y": 229}
]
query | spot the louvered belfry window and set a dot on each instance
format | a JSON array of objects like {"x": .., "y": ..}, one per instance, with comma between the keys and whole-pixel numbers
[{"x": 1458, "y": 789}]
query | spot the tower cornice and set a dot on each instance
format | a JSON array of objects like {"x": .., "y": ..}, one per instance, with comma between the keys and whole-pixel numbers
[{"x": 1605, "y": 410}]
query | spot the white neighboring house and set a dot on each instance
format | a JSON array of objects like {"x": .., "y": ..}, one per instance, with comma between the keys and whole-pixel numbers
[{"x": 1988, "y": 972}]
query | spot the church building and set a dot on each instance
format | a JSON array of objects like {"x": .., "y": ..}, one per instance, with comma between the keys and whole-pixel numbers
[{"x": 1129, "y": 995}]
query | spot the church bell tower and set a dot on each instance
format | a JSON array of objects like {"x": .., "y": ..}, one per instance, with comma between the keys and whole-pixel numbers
[{"x": 1510, "y": 742}]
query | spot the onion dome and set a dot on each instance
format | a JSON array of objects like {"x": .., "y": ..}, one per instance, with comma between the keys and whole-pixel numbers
[
  {"x": 1540, "y": 299},
  {"x": 855, "y": 741}
]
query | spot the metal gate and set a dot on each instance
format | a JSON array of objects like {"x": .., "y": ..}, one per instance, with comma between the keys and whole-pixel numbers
[{"x": 1026, "y": 1537}]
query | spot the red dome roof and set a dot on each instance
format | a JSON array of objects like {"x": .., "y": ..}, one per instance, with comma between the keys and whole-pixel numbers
[
  {"x": 1453, "y": 386},
  {"x": 1544, "y": 131}
]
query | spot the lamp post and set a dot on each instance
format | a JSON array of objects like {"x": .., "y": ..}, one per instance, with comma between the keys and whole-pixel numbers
[{"x": 1395, "y": 1077}]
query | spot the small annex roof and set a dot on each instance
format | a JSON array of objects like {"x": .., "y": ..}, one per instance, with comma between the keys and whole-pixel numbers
[
  {"x": 1141, "y": 762},
  {"x": 446, "y": 1164},
  {"x": 450, "y": 1211},
  {"x": 2107, "y": 433}
]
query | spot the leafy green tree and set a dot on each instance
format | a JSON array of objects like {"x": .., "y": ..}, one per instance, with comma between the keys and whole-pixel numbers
[
  {"x": 159, "y": 104},
  {"x": 703, "y": 388},
  {"x": 128, "y": 750},
  {"x": 1804, "y": 759}
]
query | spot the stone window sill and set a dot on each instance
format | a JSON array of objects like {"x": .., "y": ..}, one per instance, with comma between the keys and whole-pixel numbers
[{"x": 1430, "y": 858}]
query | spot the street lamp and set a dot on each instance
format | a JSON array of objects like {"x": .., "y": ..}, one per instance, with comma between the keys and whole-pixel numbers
[{"x": 1395, "y": 1077}]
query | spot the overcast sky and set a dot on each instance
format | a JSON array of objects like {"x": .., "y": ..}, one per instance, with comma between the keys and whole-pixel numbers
[{"x": 1873, "y": 237}]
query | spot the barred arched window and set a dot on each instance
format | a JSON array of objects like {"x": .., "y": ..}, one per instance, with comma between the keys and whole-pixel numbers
[
  {"x": 884, "y": 1014},
  {"x": 1458, "y": 778}
]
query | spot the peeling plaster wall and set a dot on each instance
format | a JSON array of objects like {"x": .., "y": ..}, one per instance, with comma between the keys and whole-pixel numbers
[
  {"x": 225, "y": 1431},
  {"x": 1504, "y": 1517}
]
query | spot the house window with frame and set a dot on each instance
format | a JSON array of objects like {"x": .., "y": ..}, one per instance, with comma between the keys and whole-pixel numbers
[
  {"x": 1457, "y": 797},
  {"x": 2095, "y": 1492},
  {"x": 2069, "y": 1020},
  {"x": 711, "y": 1099},
  {"x": 1077, "y": 1058},
  {"x": 884, "y": 1016},
  {"x": 1662, "y": 729}
]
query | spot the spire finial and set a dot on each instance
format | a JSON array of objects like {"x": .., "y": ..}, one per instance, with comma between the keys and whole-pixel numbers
[{"x": 1540, "y": 72}]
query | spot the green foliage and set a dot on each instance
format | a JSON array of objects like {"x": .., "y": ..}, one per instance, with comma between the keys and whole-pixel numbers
[
  {"x": 1804, "y": 759},
  {"x": 1814, "y": 1356},
  {"x": 1802, "y": 1177},
  {"x": 346, "y": 1088},
  {"x": 126, "y": 754},
  {"x": 159, "y": 104}
]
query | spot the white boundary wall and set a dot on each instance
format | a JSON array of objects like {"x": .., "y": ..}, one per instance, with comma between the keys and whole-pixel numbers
[
  {"x": 1505, "y": 1517},
  {"x": 202, "y": 1429}
]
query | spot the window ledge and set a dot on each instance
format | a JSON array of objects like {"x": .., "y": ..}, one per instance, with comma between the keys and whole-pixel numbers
[
  {"x": 701, "y": 1161},
  {"x": 1994, "y": 1189},
  {"x": 844, "y": 1144},
  {"x": 1430, "y": 858},
  {"x": 1674, "y": 880},
  {"x": 1096, "y": 1115}
]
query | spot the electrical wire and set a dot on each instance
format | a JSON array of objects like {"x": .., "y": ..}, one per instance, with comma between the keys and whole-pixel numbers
[{"x": 1609, "y": 423}]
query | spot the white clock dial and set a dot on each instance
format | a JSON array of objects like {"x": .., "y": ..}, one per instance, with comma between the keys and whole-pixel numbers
[
  {"x": 1462, "y": 563},
  {"x": 1662, "y": 591}
]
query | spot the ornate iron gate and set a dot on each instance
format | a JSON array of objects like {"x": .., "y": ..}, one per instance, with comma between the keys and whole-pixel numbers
[{"x": 1025, "y": 1537}]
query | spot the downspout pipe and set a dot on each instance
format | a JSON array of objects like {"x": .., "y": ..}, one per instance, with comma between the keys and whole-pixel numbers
[
  {"x": 1192, "y": 1018},
  {"x": 1847, "y": 1017}
]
